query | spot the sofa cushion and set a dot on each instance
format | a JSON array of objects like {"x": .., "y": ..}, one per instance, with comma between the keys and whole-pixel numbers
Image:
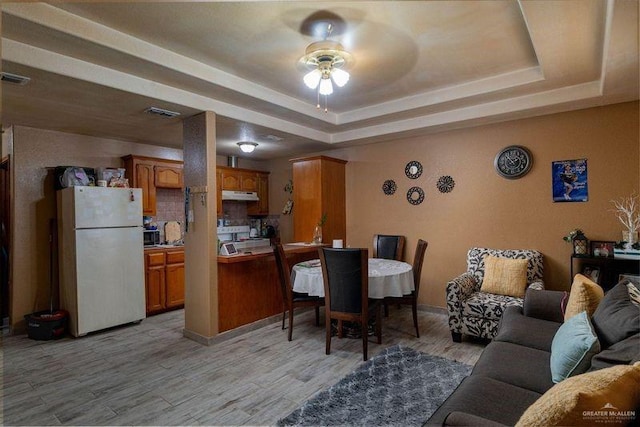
[
  {"x": 574, "y": 401},
  {"x": 516, "y": 365},
  {"x": 572, "y": 348},
  {"x": 504, "y": 276},
  {"x": 458, "y": 418},
  {"x": 624, "y": 352},
  {"x": 488, "y": 306},
  {"x": 517, "y": 328},
  {"x": 616, "y": 317},
  {"x": 485, "y": 397},
  {"x": 585, "y": 295}
]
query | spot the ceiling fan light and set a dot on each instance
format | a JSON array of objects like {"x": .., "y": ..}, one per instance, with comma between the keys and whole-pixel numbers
[
  {"x": 247, "y": 147},
  {"x": 312, "y": 78},
  {"x": 326, "y": 88},
  {"x": 340, "y": 77}
]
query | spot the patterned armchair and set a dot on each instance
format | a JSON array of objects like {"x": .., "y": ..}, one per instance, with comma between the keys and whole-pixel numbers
[{"x": 478, "y": 313}]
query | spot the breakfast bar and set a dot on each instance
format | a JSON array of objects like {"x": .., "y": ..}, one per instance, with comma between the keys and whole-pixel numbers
[{"x": 248, "y": 285}]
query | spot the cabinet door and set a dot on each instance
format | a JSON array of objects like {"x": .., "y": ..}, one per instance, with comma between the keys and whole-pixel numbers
[
  {"x": 249, "y": 181},
  {"x": 231, "y": 180},
  {"x": 261, "y": 207},
  {"x": 144, "y": 178},
  {"x": 155, "y": 288},
  {"x": 168, "y": 177},
  {"x": 175, "y": 285}
]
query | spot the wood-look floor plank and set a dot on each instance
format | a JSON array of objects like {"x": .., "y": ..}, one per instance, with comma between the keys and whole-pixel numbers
[{"x": 149, "y": 374}]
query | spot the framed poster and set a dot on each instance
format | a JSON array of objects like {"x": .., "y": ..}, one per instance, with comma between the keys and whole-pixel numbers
[
  {"x": 569, "y": 178},
  {"x": 592, "y": 272},
  {"x": 602, "y": 249}
]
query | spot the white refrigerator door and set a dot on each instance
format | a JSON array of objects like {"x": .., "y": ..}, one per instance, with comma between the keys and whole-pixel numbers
[
  {"x": 99, "y": 207},
  {"x": 110, "y": 278}
]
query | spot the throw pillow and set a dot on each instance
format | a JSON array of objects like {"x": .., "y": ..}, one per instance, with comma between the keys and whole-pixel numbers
[
  {"x": 504, "y": 276},
  {"x": 616, "y": 317},
  {"x": 572, "y": 348},
  {"x": 585, "y": 294},
  {"x": 589, "y": 399},
  {"x": 634, "y": 293}
]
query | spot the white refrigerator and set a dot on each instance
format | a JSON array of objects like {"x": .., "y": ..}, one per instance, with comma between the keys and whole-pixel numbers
[{"x": 101, "y": 257}]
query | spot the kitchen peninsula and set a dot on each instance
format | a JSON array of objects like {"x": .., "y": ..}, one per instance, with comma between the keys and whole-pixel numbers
[{"x": 248, "y": 284}]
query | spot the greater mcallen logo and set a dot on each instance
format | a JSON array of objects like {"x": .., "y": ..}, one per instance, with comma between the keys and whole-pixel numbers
[{"x": 609, "y": 414}]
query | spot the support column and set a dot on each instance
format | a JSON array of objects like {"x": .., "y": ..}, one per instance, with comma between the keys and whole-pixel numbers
[{"x": 201, "y": 240}]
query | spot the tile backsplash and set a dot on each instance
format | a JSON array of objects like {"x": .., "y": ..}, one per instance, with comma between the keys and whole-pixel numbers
[{"x": 169, "y": 207}]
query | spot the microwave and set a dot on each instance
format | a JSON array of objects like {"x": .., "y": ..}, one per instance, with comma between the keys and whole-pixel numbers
[{"x": 151, "y": 237}]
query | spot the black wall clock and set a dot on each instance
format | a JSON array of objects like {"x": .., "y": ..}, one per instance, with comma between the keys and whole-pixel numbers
[
  {"x": 413, "y": 169},
  {"x": 513, "y": 162}
]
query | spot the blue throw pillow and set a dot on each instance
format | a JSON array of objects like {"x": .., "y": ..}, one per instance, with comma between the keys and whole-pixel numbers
[{"x": 572, "y": 348}]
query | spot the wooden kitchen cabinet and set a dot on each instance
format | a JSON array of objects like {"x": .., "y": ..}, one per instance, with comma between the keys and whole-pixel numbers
[
  {"x": 236, "y": 179},
  {"x": 164, "y": 279},
  {"x": 319, "y": 188},
  {"x": 149, "y": 173},
  {"x": 168, "y": 176},
  {"x": 261, "y": 207}
]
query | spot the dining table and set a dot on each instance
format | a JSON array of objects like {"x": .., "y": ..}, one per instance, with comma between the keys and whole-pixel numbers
[{"x": 387, "y": 278}]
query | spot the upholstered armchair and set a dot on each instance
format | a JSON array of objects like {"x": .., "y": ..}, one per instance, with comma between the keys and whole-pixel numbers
[{"x": 476, "y": 313}]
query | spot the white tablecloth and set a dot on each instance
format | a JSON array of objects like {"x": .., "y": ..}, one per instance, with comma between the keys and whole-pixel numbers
[{"x": 387, "y": 278}]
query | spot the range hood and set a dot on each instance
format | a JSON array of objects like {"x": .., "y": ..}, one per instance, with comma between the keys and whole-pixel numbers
[{"x": 246, "y": 196}]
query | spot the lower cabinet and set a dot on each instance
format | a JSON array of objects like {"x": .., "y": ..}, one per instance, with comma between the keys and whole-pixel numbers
[{"x": 164, "y": 279}]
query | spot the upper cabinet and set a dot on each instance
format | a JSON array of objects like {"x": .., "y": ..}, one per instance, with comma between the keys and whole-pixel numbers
[
  {"x": 319, "y": 189},
  {"x": 150, "y": 173},
  {"x": 236, "y": 179}
]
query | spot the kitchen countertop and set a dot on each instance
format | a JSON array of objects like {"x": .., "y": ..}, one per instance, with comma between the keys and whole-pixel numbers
[
  {"x": 159, "y": 247},
  {"x": 265, "y": 251}
]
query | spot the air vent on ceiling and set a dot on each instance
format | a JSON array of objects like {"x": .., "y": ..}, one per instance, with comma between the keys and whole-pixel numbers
[
  {"x": 14, "y": 78},
  {"x": 161, "y": 112}
]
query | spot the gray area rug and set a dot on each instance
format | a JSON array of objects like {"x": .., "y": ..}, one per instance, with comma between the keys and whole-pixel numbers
[{"x": 398, "y": 387}]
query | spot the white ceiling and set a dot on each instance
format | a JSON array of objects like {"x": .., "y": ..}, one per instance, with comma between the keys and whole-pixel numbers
[{"x": 418, "y": 67}]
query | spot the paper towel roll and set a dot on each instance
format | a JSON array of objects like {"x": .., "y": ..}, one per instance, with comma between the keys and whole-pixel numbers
[{"x": 337, "y": 243}]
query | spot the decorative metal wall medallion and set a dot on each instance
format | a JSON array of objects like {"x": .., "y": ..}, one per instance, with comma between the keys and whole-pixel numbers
[
  {"x": 389, "y": 187},
  {"x": 413, "y": 169},
  {"x": 445, "y": 184},
  {"x": 415, "y": 195}
]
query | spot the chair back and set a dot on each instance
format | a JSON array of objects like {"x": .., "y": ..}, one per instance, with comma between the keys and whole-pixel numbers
[
  {"x": 346, "y": 279},
  {"x": 284, "y": 272},
  {"x": 418, "y": 259},
  {"x": 388, "y": 247}
]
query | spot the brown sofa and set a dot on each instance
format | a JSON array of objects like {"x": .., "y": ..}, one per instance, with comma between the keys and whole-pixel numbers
[{"x": 514, "y": 370}]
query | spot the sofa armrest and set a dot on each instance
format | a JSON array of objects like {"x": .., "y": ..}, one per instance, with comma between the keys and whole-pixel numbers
[
  {"x": 457, "y": 418},
  {"x": 457, "y": 291},
  {"x": 545, "y": 304}
]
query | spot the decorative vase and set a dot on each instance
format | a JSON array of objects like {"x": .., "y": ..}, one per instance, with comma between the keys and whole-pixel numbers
[
  {"x": 317, "y": 235},
  {"x": 630, "y": 238}
]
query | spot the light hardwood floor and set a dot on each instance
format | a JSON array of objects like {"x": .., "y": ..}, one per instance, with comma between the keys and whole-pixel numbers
[{"x": 149, "y": 374}]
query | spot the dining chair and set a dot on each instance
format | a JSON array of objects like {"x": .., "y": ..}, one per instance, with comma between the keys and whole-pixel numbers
[
  {"x": 290, "y": 299},
  {"x": 388, "y": 247},
  {"x": 411, "y": 299},
  {"x": 345, "y": 273}
]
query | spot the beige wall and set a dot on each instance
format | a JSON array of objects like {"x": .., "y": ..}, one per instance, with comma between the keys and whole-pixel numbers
[
  {"x": 35, "y": 151},
  {"x": 484, "y": 209}
]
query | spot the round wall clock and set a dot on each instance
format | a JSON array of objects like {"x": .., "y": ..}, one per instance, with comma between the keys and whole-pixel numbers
[
  {"x": 513, "y": 162},
  {"x": 413, "y": 169},
  {"x": 415, "y": 195},
  {"x": 389, "y": 187}
]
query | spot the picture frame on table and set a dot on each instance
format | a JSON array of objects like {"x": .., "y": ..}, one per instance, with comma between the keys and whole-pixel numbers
[
  {"x": 592, "y": 272},
  {"x": 602, "y": 248}
]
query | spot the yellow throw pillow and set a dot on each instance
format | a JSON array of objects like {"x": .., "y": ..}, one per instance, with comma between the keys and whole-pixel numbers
[
  {"x": 603, "y": 397},
  {"x": 585, "y": 295},
  {"x": 504, "y": 276}
]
